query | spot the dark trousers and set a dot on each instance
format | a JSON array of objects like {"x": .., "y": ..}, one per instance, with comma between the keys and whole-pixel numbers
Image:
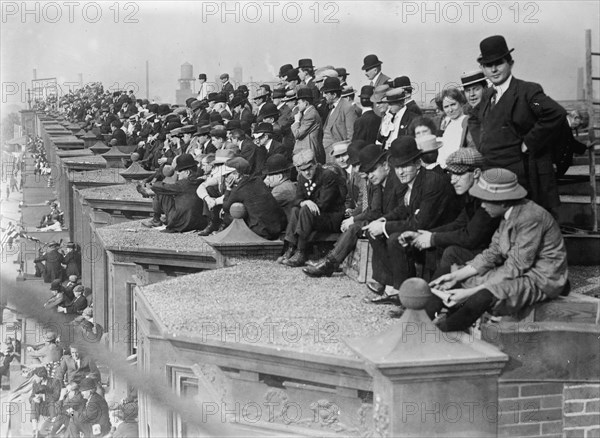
[
  {"x": 453, "y": 255},
  {"x": 392, "y": 263},
  {"x": 464, "y": 315},
  {"x": 303, "y": 222},
  {"x": 346, "y": 243},
  {"x": 162, "y": 204}
]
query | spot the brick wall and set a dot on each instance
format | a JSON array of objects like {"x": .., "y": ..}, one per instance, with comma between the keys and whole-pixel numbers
[
  {"x": 530, "y": 409},
  {"x": 581, "y": 411}
]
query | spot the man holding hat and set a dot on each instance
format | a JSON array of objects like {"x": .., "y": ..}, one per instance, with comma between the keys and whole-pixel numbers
[
  {"x": 264, "y": 216},
  {"x": 319, "y": 206},
  {"x": 428, "y": 201},
  {"x": 178, "y": 201},
  {"x": 384, "y": 194},
  {"x": 93, "y": 419},
  {"x": 339, "y": 124},
  {"x": 307, "y": 128},
  {"x": 277, "y": 172},
  {"x": 367, "y": 124},
  {"x": 471, "y": 232},
  {"x": 525, "y": 263},
  {"x": 537, "y": 124}
]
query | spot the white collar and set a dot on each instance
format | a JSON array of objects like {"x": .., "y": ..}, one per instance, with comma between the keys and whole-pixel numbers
[
  {"x": 508, "y": 212},
  {"x": 367, "y": 109},
  {"x": 501, "y": 89}
]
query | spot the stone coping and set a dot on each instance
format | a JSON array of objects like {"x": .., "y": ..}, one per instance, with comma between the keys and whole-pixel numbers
[
  {"x": 98, "y": 176},
  {"x": 265, "y": 304},
  {"x": 85, "y": 159},
  {"x": 133, "y": 236},
  {"x": 62, "y": 153},
  {"x": 121, "y": 193}
]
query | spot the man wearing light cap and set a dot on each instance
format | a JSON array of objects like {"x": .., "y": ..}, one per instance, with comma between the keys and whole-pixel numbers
[
  {"x": 319, "y": 206},
  {"x": 471, "y": 232},
  {"x": 525, "y": 263},
  {"x": 263, "y": 214},
  {"x": 226, "y": 86}
]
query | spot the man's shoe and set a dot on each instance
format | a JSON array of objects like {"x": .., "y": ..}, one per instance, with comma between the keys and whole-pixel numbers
[
  {"x": 315, "y": 263},
  {"x": 376, "y": 287},
  {"x": 386, "y": 299},
  {"x": 287, "y": 255},
  {"x": 324, "y": 269},
  {"x": 209, "y": 229},
  {"x": 297, "y": 260},
  {"x": 151, "y": 223}
]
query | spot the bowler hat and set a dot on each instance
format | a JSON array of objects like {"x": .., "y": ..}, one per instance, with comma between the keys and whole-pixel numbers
[
  {"x": 428, "y": 143},
  {"x": 202, "y": 76},
  {"x": 493, "y": 48},
  {"x": 218, "y": 132},
  {"x": 473, "y": 77},
  {"x": 305, "y": 93},
  {"x": 353, "y": 150},
  {"x": 204, "y": 130},
  {"x": 464, "y": 160},
  {"x": 268, "y": 110},
  {"x": 276, "y": 163},
  {"x": 55, "y": 285},
  {"x": 87, "y": 384},
  {"x": 234, "y": 124},
  {"x": 498, "y": 185},
  {"x": 240, "y": 164},
  {"x": 216, "y": 117},
  {"x": 394, "y": 96},
  {"x": 220, "y": 98},
  {"x": 185, "y": 161},
  {"x": 366, "y": 91},
  {"x": 370, "y": 61},
  {"x": 164, "y": 109},
  {"x": 369, "y": 156},
  {"x": 236, "y": 101},
  {"x": 189, "y": 100},
  {"x": 331, "y": 85},
  {"x": 212, "y": 96},
  {"x": 305, "y": 63},
  {"x": 292, "y": 75},
  {"x": 401, "y": 82},
  {"x": 403, "y": 151},
  {"x": 341, "y": 71},
  {"x": 263, "y": 128},
  {"x": 284, "y": 69}
]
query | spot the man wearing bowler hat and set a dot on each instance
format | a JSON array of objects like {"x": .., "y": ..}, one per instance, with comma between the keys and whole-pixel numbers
[
  {"x": 372, "y": 68},
  {"x": 428, "y": 201},
  {"x": 307, "y": 128},
  {"x": 319, "y": 206},
  {"x": 277, "y": 173},
  {"x": 339, "y": 124},
  {"x": 367, "y": 124},
  {"x": 178, "y": 201},
  {"x": 384, "y": 194},
  {"x": 403, "y": 82},
  {"x": 536, "y": 123},
  {"x": 306, "y": 73},
  {"x": 399, "y": 117},
  {"x": 286, "y": 118},
  {"x": 263, "y": 137}
]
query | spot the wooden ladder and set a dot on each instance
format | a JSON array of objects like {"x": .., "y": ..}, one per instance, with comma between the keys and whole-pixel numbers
[{"x": 592, "y": 127}]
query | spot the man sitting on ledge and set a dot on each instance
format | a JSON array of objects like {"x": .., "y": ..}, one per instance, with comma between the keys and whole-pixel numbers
[
  {"x": 525, "y": 263},
  {"x": 178, "y": 201}
]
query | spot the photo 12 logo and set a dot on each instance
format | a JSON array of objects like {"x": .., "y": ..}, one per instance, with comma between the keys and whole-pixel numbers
[
  {"x": 470, "y": 12},
  {"x": 70, "y": 12},
  {"x": 270, "y": 12}
]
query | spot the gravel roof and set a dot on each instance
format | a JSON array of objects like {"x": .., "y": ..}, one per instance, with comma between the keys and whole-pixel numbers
[
  {"x": 263, "y": 303},
  {"x": 120, "y": 192},
  {"x": 133, "y": 235},
  {"x": 104, "y": 175}
]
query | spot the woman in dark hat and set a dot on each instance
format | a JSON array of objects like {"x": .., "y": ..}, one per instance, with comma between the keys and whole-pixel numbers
[{"x": 525, "y": 263}]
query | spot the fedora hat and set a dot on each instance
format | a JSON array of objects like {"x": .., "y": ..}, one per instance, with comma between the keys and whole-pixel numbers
[
  {"x": 331, "y": 85},
  {"x": 353, "y": 150},
  {"x": 379, "y": 93},
  {"x": 263, "y": 128},
  {"x": 498, "y": 185},
  {"x": 348, "y": 91},
  {"x": 472, "y": 77},
  {"x": 305, "y": 63},
  {"x": 292, "y": 75},
  {"x": 371, "y": 61},
  {"x": 369, "y": 156},
  {"x": 366, "y": 91},
  {"x": 341, "y": 71},
  {"x": 403, "y": 151},
  {"x": 323, "y": 73},
  {"x": 276, "y": 163},
  {"x": 340, "y": 148},
  {"x": 212, "y": 96},
  {"x": 394, "y": 96},
  {"x": 268, "y": 110},
  {"x": 304, "y": 93},
  {"x": 233, "y": 124},
  {"x": 185, "y": 161},
  {"x": 400, "y": 82},
  {"x": 237, "y": 101},
  {"x": 260, "y": 93},
  {"x": 428, "y": 143},
  {"x": 493, "y": 48},
  {"x": 290, "y": 95}
]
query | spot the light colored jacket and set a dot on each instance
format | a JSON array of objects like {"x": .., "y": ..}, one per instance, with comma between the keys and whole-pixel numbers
[{"x": 526, "y": 261}]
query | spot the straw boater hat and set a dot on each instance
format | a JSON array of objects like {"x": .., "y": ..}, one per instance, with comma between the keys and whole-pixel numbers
[
  {"x": 473, "y": 77},
  {"x": 498, "y": 185}
]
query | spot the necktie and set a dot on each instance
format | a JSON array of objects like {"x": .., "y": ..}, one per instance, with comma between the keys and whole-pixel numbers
[
  {"x": 364, "y": 194},
  {"x": 493, "y": 98},
  {"x": 372, "y": 84}
]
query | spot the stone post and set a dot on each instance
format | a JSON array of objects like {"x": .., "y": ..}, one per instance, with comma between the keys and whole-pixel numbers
[{"x": 430, "y": 383}]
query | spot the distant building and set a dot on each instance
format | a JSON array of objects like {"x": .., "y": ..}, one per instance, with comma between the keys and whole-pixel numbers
[{"x": 186, "y": 82}]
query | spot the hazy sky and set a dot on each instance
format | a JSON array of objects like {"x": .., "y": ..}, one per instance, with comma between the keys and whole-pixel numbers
[{"x": 431, "y": 42}]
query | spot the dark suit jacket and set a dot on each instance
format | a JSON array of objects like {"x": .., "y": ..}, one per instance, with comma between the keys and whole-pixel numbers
[
  {"x": 227, "y": 88},
  {"x": 120, "y": 136},
  {"x": 264, "y": 216},
  {"x": 405, "y": 122},
  {"x": 383, "y": 200},
  {"x": 413, "y": 107},
  {"x": 323, "y": 190},
  {"x": 94, "y": 412},
  {"x": 366, "y": 127},
  {"x": 432, "y": 203},
  {"x": 68, "y": 372},
  {"x": 186, "y": 213},
  {"x": 523, "y": 114}
]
